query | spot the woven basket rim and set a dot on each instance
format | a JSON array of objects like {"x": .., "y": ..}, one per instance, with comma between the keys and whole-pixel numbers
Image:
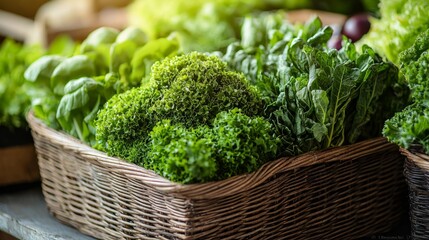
[
  {"x": 216, "y": 189},
  {"x": 420, "y": 159}
]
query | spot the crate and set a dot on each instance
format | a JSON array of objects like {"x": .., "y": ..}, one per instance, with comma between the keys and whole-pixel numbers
[{"x": 340, "y": 193}]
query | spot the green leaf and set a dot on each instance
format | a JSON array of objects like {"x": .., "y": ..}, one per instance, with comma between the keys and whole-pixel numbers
[
  {"x": 133, "y": 34},
  {"x": 341, "y": 94},
  {"x": 81, "y": 83},
  {"x": 62, "y": 45},
  {"x": 77, "y": 95},
  {"x": 150, "y": 53},
  {"x": 313, "y": 26},
  {"x": 396, "y": 30},
  {"x": 121, "y": 53},
  {"x": 93, "y": 114},
  {"x": 43, "y": 68},
  {"x": 320, "y": 131},
  {"x": 321, "y": 103},
  {"x": 71, "y": 68},
  {"x": 100, "y": 36},
  {"x": 321, "y": 37}
]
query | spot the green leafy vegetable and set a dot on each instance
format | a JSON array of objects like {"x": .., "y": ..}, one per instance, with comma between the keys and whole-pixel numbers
[
  {"x": 14, "y": 100},
  {"x": 181, "y": 154},
  {"x": 200, "y": 25},
  {"x": 400, "y": 23},
  {"x": 189, "y": 90},
  {"x": 100, "y": 36},
  {"x": 410, "y": 128},
  {"x": 150, "y": 53},
  {"x": 42, "y": 69},
  {"x": 234, "y": 144},
  {"x": 17, "y": 94},
  {"x": 195, "y": 87},
  {"x": 242, "y": 143},
  {"x": 124, "y": 123},
  {"x": 414, "y": 64},
  {"x": 72, "y": 90},
  {"x": 76, "y": 106},
  {"x": 316, "y": 97},
  {"x": 132, "y": 34},
  {"x": 71, "y": 68}
]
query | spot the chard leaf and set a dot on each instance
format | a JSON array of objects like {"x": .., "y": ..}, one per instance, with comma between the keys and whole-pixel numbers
[
  {"x": 342, "y": 89},
  {"x": 319, "y": 131},
  {"x": 316, "y": 97},
  {"x": 370, "y": 91},
  {"x": 321, "y": 37},
  {"x": 321, "y": 103},
  {"x": 312, "y": 27}
]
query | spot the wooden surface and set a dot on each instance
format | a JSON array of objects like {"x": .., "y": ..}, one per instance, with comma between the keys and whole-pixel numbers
[
  {"x": 18, "y": 165},
  {"x": 328, "y": 18},
  {"x": 5, "y": 236},
  {"x": 23, "y": 214},
  {"x": 78, "y": 18}
]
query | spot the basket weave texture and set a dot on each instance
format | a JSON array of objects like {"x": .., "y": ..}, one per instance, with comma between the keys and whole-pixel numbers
[
  {"x": 417, "y": 176},
  {"x": 340, "y": 193}
]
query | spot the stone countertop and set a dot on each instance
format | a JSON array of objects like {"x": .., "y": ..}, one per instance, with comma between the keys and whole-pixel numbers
[{"x": 24, "y": 215}]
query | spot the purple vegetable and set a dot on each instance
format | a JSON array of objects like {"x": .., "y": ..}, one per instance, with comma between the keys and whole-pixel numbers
[
  {"x": 335, "y": 42},
  {"x": 356, "y": 26}
]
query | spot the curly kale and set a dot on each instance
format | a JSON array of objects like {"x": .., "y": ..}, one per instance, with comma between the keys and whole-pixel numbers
[
  {"x": 234, "y": 144},
  {"x": 124, "y": 122},
  {"x": 189, "y": 90},
  {"x": 195, "y": 87},
  {"x": 410, "y": 127},
  {"x": 242, "y": 143},
  {"x": 181, "y": 154},
  {"x": 414, "y": 64}
]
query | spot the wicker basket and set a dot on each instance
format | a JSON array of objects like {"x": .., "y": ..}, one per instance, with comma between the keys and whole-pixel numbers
[
  {"x": 341, "y": 193},
  {"x": 417, "y": 176}
]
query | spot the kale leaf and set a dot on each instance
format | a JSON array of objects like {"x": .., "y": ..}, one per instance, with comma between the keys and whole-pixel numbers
[{"x": 233, "y": 144}]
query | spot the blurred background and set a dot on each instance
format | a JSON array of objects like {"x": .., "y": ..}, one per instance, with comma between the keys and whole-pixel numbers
[{"x": 40, "y": 21}]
